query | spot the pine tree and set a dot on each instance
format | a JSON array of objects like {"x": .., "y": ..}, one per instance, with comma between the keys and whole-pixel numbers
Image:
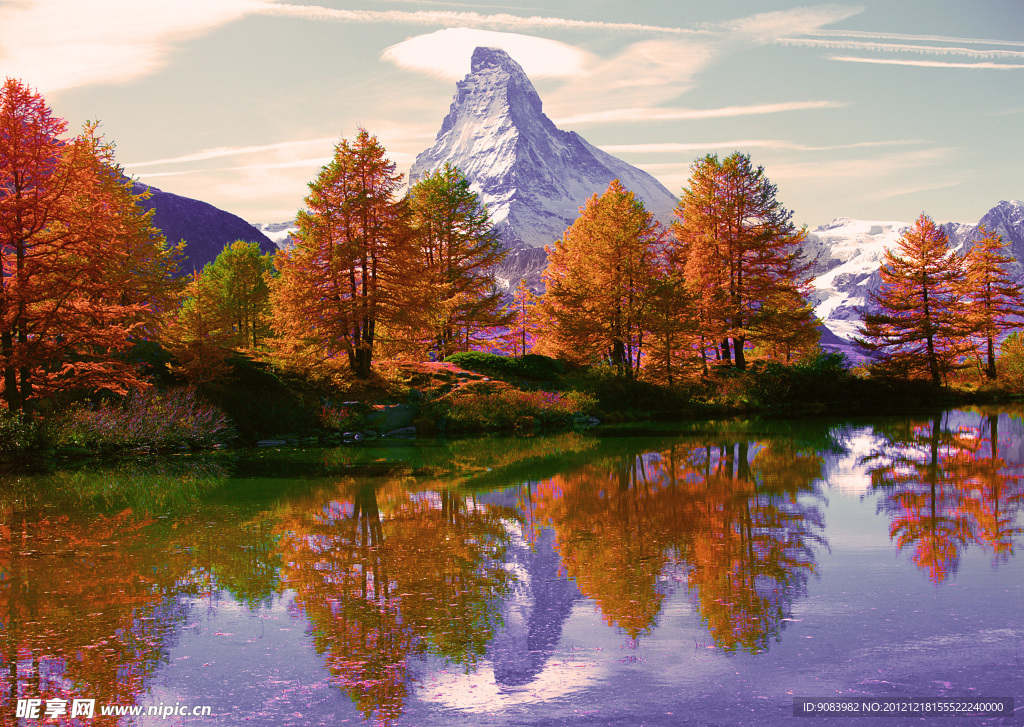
[
  {"x": 918, "y": 327},
  {"x": 460, "y": 251},
  {"x": 738, "y": 247},
  {"x": 236, "y": 286},
  {"x": 599, "y": 278},
  {"x": 342, "y": 276},
  {"x": 992, "y": 300}
]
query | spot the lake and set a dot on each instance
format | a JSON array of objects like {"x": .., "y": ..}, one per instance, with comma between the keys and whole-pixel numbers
[{"x": 663, "y": 575}]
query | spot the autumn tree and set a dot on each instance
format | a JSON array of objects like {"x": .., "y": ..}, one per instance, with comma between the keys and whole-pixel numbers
[
  {"x": 786, "y": 327},
  {"x": 674, "y": 332},
  {"x": 991, "y": 299},
  {"x": 342, "y": 276},
  {"x": 598, "y": 281},
  {"x": 522, "y": 328},
  {"x": 71, "y": 233},
  {"x": 917, "y": 328},
  {"x": 738, "y": 248},
  {"x": 460, "y": 251}
]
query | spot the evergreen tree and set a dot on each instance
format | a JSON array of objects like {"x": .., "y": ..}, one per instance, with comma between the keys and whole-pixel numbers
[
  {"x": 236, "y": 285},
  {"x": 738, "y": 248},
  {"x": 918, "y": 328},
  {"x": 344, "y": 273},
  {"x": 992, "y": 300},
  {"x": 460, "y": 251},
  {"x": 599, "y": 279}
]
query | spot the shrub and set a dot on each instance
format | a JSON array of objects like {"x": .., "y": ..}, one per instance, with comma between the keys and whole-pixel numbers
[
  {"x": 17, "y": 433},
  {"x": 496, "y": 405},
  {"x": 530, "y": 366},
  {"x": 172, "y": 418},
  {"x": 823, "y": 379}
]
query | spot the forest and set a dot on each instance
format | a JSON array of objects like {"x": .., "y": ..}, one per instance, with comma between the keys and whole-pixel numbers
[{"x": 390, "y": 299}]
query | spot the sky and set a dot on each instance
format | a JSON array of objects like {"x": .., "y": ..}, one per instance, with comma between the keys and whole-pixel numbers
[{"x": 879, "y": 110}]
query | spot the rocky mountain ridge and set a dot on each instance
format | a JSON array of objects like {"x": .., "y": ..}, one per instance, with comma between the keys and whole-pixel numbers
[{"x": 532, "y": 176}]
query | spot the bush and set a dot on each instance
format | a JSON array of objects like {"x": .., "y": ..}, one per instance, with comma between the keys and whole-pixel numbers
[
  {"x": 173, "y": 418},
  {"x": 496, "y": 405},
  {"x": 823, "y": 379},
  {"x": 530, "y": 366},
  {"x": 17, "y": 433}
]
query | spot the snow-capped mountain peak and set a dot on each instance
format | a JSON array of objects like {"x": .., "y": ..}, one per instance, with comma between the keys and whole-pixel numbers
[{"x": 532, "y": 176}]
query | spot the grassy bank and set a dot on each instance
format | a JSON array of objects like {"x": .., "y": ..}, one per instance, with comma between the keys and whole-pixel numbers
[{"x": 468, "y": 393}]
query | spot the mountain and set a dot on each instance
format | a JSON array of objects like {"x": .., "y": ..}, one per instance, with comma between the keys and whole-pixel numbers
[
  {"x": 533, "y": 176},
  {"x": 205, "y": 229},
  {"x": 848, "y": 255}
]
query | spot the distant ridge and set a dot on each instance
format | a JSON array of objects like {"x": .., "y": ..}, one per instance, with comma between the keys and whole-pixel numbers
[{"x": 205, "y": 229}]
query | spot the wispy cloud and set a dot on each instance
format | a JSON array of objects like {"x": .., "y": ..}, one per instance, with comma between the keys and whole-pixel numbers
[
  {"x": 658, "y": 114},
  {"x": 59, "y": 44},
  {"x": 877, "y": 167},
  {"x": 867, "y": 34},
  {"x": 768, "y": 27},
  {"x": 229, "y": 151},
  {"x": 672, "y": 147},
  {"x": 928, "y": 64},
  {"x": 903, "y": 48},
  {"x": 444, "y": 18}
]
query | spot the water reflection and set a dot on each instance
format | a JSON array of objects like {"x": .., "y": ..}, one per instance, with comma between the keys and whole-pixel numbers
[
  {"x": 945, "y": 487},
  {"x": 738, "y": 521},
  {"x": 386, "y": 575},
  {"x": 87, "y": 579},
  {"x": 408, "y": 564}
]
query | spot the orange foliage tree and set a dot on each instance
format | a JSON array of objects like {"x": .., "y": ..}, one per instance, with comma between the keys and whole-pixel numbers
[
  {"x": 992, "y": 298},
  {"x": 739, "y": 249},
  {"x": 71, "y": 234},
  {"x": 351, "y": 257},
  {"x": 918, "y": 327},
  {"x": 599, "y": 278}
]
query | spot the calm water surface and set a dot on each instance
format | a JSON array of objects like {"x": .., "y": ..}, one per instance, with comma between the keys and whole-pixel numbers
[{"x": 694, "y": 577}]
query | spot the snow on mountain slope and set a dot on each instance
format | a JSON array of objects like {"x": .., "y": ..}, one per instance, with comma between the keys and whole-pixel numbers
[
  {"x": 532, "y": 176},
  {"x": 849, "y": 254}
]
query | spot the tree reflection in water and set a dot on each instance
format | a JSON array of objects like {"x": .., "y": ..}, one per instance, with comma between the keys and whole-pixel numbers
[
  {"x": 945, "y": 487},
  {"x": 737, "y": 520},
  {"x": 386, "y": 575},
  {"x": 87, "y": 575}
]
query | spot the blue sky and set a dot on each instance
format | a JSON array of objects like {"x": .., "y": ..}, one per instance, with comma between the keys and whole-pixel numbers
[{"x": 878, "y": 110}]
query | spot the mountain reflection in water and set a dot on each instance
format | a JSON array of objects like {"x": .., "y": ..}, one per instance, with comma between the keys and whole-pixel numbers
[{"x": 436, "y": 576}]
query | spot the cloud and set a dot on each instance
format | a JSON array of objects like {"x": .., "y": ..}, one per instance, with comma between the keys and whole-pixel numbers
[
  {"x": 928, "y": 64},
  {"x": 500, "y": 21},
  {"x": 446, "y": 53},
  {"x": 673, "y": 147},
  {"x": 903, "y": 48},
  {"x": 661, "y": 114},
  {"x": 872, "y": 168},
  {"x": 58, "y": 44},
  {"x": 768, "y": 27},
  {"x": 867, "y": 34},
  {"x": 227, "y": 151}
]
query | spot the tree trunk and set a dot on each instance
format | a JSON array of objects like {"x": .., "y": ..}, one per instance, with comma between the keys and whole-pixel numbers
[{"x": 741, "y": 360}]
